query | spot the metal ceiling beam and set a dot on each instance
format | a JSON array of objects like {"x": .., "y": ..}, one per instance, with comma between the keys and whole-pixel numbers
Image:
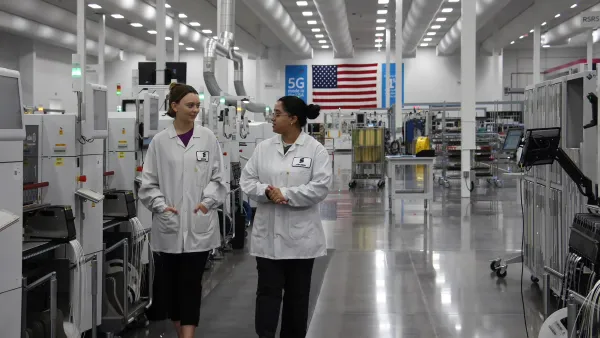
[
  {"x": 335, "y": 19},
  {"x": 419, "y": 18},
  {"x": 486, "y": 10}
]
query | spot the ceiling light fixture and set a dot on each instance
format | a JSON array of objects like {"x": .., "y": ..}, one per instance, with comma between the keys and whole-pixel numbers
[
  {"x": 520, "y": 37},
  {"x": 168, "y": 38},
  {"x": 424, "y": 44},
  {"x": 316, "y": 30},
  {"x": 447, "y": 10},
  {"x": 378, "y": 34},
  {"x": 427, "y": 39},
  {"x": 318, "y": 36},
  {"x": 194, "y": 24},
  {"x": 378, "y": 45},
  {"x": 436, "y": 27},
  {"x": 307, "y": 13},
  {"x": 236, "y": 48},
  {"x": 94, "y": 6},
  {"x": 117, "y": 16},
  {"x": 382, "y": 11},
  {"x": 574, "y": 5},
  {"x": 182, "y": 16},
  {"x": 431, "y": 33},
  {"x": 167, "y": 6},
  {"x": 189, "y": 48},
  {"x": 546, "y": 46},
  {"x": 512, "y": 42},
  {"x": 378, "y": 40},
  {"x": 440, "y": 19},
  {"x": 181, "y": 44},
  {"x": 531, "y": 31},
  {"x": 312, "y": 22},
  {"x": 215, "y": 37},
  {"x": 153, "y": 32},
  {"x": 544, "y": 23},
  {"x": 379, "y": 28},
  {"x": 206, "y": 31},
  {"x": 137, "y": 25},
  {"x": 322, "y": 41},
  {"x": 380, "y": 20},
  {"x": 383, "y": 2},
  {"x": 325, "y": 46},
  {"x": 302, "y": 3},
  {"x": 453, "y": 0},
  {"x": 557, "y": 15}
]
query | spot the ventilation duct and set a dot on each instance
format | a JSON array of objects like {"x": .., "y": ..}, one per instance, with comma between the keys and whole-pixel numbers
[
  {"x": 567, "y": 29},
  {"x": 335, "y": 19},
  {"x": 36, "y": 31},
  {"x": 417, "y": 22},
  {"x": 486, "y": 10},
  {"x": 274, "y": 15}
]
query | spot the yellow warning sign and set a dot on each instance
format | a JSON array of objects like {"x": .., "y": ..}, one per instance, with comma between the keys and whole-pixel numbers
[
  {"x": 60, "y": 132},
  {"x": 59, "y": 162},
  {"x": 123, "y": 132},
  {"x": 93, "y": 205},
  {"x": 122, "y": 142},
  {"x": 121, "y": 155}
]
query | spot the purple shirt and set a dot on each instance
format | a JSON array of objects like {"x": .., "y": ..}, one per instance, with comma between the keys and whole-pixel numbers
[{"x": 185, "y": 137}]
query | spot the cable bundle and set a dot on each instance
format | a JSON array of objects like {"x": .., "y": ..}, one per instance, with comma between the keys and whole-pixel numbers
[
  {"x": 139, "y": 240},
  {"x": 591, "y": 314},
  {"x": 73, "y": 327}
]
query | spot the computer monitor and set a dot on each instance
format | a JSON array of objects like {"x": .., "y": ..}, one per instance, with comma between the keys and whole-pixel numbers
[
  {"x": 12, "y": 127},
  {"x": 94, "y": 122},
  {"x": 512, "y": 140},
  {"x": 150, "y": 114},
  {"x": 173, "y": 71},
  {"x": 541, "y": 147}
]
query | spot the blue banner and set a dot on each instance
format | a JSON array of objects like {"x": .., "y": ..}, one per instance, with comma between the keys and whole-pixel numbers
[
  {"x": 296, "y": 77},
  {"x": 393, "y": 86}
]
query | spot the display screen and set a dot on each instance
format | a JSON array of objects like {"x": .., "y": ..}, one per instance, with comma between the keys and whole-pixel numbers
[
  {"x": 11, "y": 113},
  {"x": 513, "y": 139},
  {"x": 153, "y": 114},
  {"x": 100, "y": 110}
]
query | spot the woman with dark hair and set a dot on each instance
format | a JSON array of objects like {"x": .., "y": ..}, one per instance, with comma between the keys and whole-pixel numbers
[
  {"x": 288, "y": 175},
  {"x": 182, "y": 184}
]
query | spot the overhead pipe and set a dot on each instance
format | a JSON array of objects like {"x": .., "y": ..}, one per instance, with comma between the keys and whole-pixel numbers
[
  {"x": 335, "y": 19},
  {"x": 24, "y": 27},
  {"x": 275, "y": 16},
  {"x": 486, "y": 10},
  {"x": 567, "y": 29},
  {"x": 418, "y": 19}
]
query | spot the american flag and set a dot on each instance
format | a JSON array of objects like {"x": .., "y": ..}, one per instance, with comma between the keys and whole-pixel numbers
[{"x": 347, "y": 86}]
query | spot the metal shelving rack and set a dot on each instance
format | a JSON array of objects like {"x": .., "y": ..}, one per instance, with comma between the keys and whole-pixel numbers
[{"x": 368, "y": 155}]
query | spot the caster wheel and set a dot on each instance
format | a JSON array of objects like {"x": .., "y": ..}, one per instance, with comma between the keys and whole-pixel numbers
[
  {"x": 501, "y": 272},
  {"x": 534, "y": 279},
  {"x": 380, "y": 184},
  {"x": 494, "y": 265}
]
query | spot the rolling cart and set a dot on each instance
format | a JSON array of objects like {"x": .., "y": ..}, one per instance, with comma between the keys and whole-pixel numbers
[{"x": 368, "y": 155}]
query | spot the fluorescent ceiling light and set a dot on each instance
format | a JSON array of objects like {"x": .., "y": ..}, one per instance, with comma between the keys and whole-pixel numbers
[
  {"x": 181, "y": 44},
  {"x": 316, "y": 30},
  {"x": 378, "y": 34},
  {"x": 152, "y": 32},
  {"x": 378, "y": 45},
  {"x": 236, "y": 48},
  {"x": 531, "y": 31},
  {"x": 168, "y": 38},
  {"x": 440, "y": 19},
  {"x": 311, "y": 22},
  {"x": 382, "y": 11},
  {"x": 378, "y": 40},
  {"x": 325, "y": 46},
  {"x": 427, "y": 39},
  {"x": 380, "y": 20},
  {"x": 167, "y": 6},
  {"x": 302, "y": 3},
  {"x": 94, "y": 6},
  {"x": 307, "y": 13},
  {"x": 424, "y": 44},
  {"x": 453, "y": 0},
  {"x": 431, "y": 33},
  {"x": 182, "y": 16},
  {"x": 379, "y": 28},
  {"x": 206, "y": 31},
  {"x": 574, "y": 5},
  {"x": 194, "y": 24},
  {"x": 189, "y": 48},
  {"x": 216, "y": 37},
  {"x": 436, "y": 27},
  {"x": 512, "y": 42},
  {"x": 318, "y": 36},
  {"x": 557, "y": 15},
  {"x": 383, "y": 2},
  {"x": 447, "y": 10},
  {"x": 137, "y": 25},
  {"x": 522, "y": 36},
  {"x": 546, "y": 46},
  {"x": 117, "y": 16},
  {"x": 322, "y": 41},
  {"x": 544, "y": 23}
]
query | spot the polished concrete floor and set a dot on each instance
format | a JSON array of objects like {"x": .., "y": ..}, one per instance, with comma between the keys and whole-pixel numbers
[{"x": 416, "y": 273}]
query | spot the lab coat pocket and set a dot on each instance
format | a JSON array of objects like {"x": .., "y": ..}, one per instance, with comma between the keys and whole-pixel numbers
[
  {"x": 260, "y": 225},
  {"x": 298, "y": 177},
  {"x": 203, "y": 222},
  {"x": 300, "y": 222},
  {"x": 168, "y": 222}
]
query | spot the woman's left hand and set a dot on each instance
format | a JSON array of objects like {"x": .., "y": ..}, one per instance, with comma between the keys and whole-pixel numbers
[
  {"x": 275, "y": 195},
  {"x": 202, "y": 208}
]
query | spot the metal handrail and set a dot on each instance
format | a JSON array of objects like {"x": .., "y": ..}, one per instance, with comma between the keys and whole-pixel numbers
[{"x": 53, "y": 299}]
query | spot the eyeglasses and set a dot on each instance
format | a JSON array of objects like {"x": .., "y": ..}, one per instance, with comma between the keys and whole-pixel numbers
[{"x": 277, "y": 115}]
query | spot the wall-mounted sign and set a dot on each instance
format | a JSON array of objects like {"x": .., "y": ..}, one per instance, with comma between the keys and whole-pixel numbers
[
  {"x": 393, "y": 84},
  {"x": 296, "y": 77},
  {"x": 590, "y": 19}
]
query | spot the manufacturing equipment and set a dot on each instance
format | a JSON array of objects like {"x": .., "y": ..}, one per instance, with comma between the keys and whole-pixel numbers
[{"x": 368, "y": 155}]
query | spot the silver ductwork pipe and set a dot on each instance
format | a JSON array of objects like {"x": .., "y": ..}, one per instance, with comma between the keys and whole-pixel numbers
[
  {"x": 417, "y": 22},
  {"x": 335, "y": 19},
  {"x": 227, "y": 23}
]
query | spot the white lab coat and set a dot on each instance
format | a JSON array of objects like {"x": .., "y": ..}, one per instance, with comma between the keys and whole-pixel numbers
[
  {"x": 303, "y": 174},
  {"x": 182, "y": 177}
]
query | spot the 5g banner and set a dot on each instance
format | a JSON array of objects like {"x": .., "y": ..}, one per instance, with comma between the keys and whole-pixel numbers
[{"x": 296, "y": 77}]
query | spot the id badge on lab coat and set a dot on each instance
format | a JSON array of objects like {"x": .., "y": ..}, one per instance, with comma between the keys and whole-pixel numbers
[
  {"x": 302, "y": 162},
  {"x": 202, "y": 156}
]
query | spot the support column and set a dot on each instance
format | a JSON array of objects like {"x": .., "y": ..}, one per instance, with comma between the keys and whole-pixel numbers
[
  {"x": 537, "y": 45},
  {"x": 101, "y": 44},
  {"x": 399, "y": 61},
  {"x": 81, "y": 45},
  {"x": 176, "y": 39},
  {"x": 468, "y": 91},
  {"x": 388, "y": 54},
  {"x": 590, "y": 49},
  {"x": 161, "y": 44}
]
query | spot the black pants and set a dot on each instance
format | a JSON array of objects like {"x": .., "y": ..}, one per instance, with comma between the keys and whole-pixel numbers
[
  {"x": 178, "y": 286},
  {"x": 292, "y": 277}
]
